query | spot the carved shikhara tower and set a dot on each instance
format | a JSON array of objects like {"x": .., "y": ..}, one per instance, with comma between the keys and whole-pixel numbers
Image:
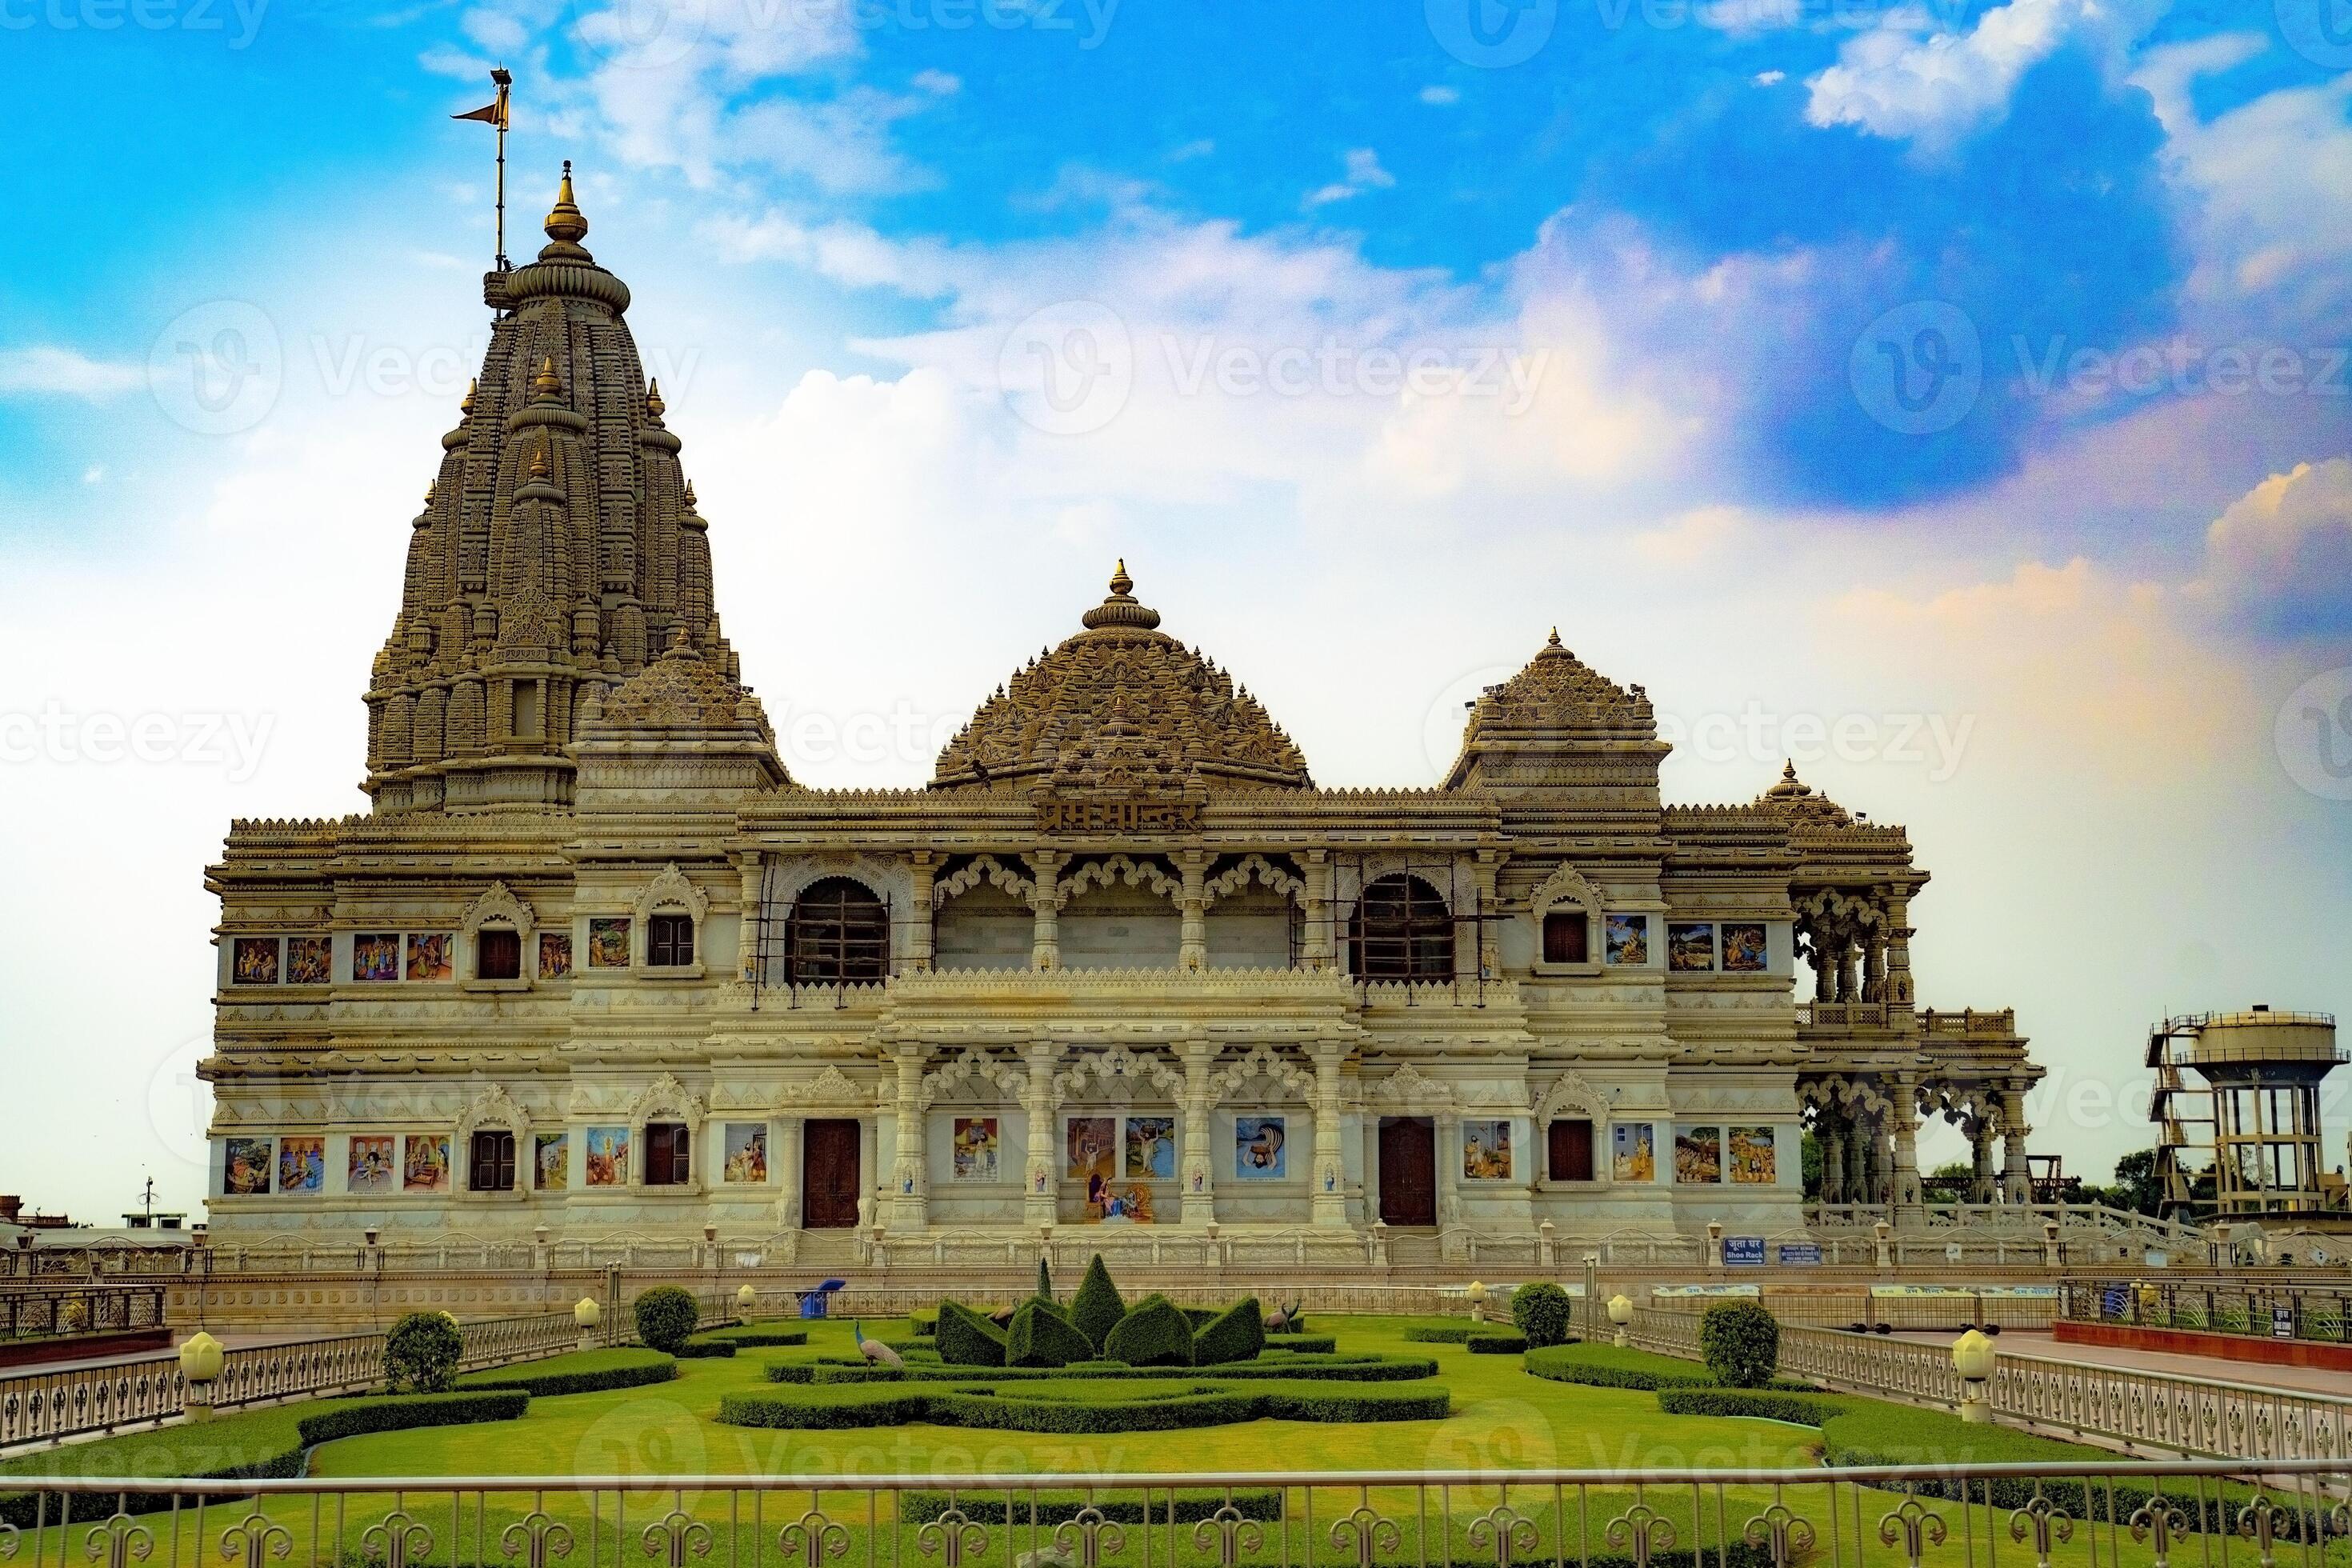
[{"x": 594, "y": 964}]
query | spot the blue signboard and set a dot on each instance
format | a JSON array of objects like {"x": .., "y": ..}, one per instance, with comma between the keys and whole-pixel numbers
[
  {"x": 1743, "y": 1252},
  {"x": 1800, "y": 1255}
]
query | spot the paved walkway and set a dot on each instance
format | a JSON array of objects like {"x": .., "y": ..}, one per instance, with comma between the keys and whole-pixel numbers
[
  {"x": 2209, "y": 1369},
  {"x": 230, "y": 1340}
]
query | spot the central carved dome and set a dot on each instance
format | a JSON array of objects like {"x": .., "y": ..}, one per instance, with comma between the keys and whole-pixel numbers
[{"x": 1122, "y": 705}]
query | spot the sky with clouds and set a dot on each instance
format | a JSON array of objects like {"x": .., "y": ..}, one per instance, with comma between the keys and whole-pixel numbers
[{"x": 1952, "y": 396}]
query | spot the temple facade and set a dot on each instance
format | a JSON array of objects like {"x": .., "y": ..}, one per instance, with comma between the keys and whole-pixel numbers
[{"x": 595, "y": 967}]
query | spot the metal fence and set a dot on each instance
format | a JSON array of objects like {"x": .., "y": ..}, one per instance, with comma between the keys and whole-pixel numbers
[
  {"x": 2261, "y": 1310},
  {"x": 56, "y": 1310},
  {"x": 1954, "y": 1516}
]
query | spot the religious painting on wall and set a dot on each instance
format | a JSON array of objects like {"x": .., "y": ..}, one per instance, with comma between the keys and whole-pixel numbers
[
  {"x": 429, "y": 955},
  {"x": 245, "y": 1167},
  {"x": 1152, "y": 1147},
  {"x": 1129, "y": 1205},
  {"x": 302, "y": 1165},
  {"x": 1743, "y": 949},
  {"x": 1690, "y": 945},
  {"x": 1259, "y": 1154},
  {"x": 1090, "y": 1145},
  {"x": 1628, "y": 939},
  {"x": 425, "y": 1163},
  {"x": 747, "y": 1152},
  {"x": 1487, "y": 1151},
  {"x": 1754, "y": 1162},
  {"x": 974, "y": 1148},
  {"x": 370, "y": 1168},
  {"x": 554, "y": 954},
  {"x": 254, "y": 961},
  {"x": 1633, "y": 1152},
  {"x": 551, "y": 1161},
  {"x": 376, "y": 957},
  {"x": 608, "y": 942},
  {"x": 608, "y": 1156},
  {"x": 309, "y": 960},
  {"x": 1698, "y": 1155}
]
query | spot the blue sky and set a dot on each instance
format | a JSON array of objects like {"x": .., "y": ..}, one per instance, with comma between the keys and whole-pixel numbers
[{"x": 1974, "y": 364}]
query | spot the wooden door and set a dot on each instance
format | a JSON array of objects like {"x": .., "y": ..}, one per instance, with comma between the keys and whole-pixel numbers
[
  {"x": 830, "y": 1177},
  {"x": 1571, "y": 1151},
  {"x": 1408, "y": 1170}
]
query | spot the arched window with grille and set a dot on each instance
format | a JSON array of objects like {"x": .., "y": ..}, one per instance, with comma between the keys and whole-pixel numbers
[
  {"x": 838, "y": 934},
  {"x": 1400, "y": 931}
]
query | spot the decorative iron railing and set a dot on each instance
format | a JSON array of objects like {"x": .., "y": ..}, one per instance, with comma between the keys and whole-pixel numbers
[
  {"x": 1957, "y": 1515},
  {"x": 2264, "y": 1310},
  {"x": 56, "y": 1311}
]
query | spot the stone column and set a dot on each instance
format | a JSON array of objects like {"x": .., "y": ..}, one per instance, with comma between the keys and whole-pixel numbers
[
  {"x": 1330, "y": 1193},
  {"x": 922, "y": 867},
  {"x": 792, "y": 1171},
  {"x": 1861, "y": 1164},
  {"x": 1192, "y": 939},
  {"x": 1874, "y": 967},
  {"x": 1489, "y": 867},
  {"x": 1833, "y": 1143},
  {"x": 1449, "y": 1168},
  {"x": 1200, "y": 1174},
  {"x": 1845, "y": 982},
  {"x": 2016, "y": 1176},
  {"x": 747, "y": 924},
  {"x": 1980, "y": 1182},
  {"x": 1318, "y": 948},
  {"x": 1038, "y": 1172},
  {"x": 869, "y": 1172},
  {"x": 910, "y": 1179},
  {"x": 1045, "y": 905},
  {"x": 1905, "y": 1193},
  {"x": 1900, "y": 997}
]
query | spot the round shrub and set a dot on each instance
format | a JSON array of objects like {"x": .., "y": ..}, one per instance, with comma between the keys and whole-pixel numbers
[
  {"x": 422, "y": 1352},
  {"x": 1543, "y": 1313},
  {"x": 666, "y": 1316},
  {"x": 1156, "y": 1333},
  {"x": 1098, "y": 1307},
  {"x": 1741, "y": 1343}
]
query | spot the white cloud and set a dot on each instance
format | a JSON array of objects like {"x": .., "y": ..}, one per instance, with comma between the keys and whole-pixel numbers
[
  {"x": 939, "y": 83},
  {"x": 1440, "y": 96},
  {"x": 1202, "y": 148},
  {"x": 1363, "y": 174},
  {"x": 1770, "y": 79},
  {"x": 48, "y": 371},
  {"x": 2281, "y": 556}
]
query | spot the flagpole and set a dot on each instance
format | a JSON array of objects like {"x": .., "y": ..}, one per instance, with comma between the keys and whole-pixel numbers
[{"x": 504, "y": 79}]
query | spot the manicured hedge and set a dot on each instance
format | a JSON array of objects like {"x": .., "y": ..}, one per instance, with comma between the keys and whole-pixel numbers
[
  {"x": 1440, "y": 1333},
  {"x": 1098, "y": 1307},
  {"x": 757, "y": 1336},
  {"x": 1303, "y": 1344},
  {"x": 926, "y": 1323},
  {"x": 1606, "y": 1366},
  {"x": 1497, "y": 1341},
  {"x": 833, "y": 1372},
  {"x": 702, "y": 1347},
  {"x": 1041, "y": 1336},
  {"x": 1237, "y": 1333},
  {"x": 1081, "y": 1407},
  {"x": 1797, "y": 1409},
  {"x": 1154, "y": 1333},
  {"x": 592, "y": 1371},
  {"x": 1053, "y": 1508},
  {"x": 967, "y": 1339}
]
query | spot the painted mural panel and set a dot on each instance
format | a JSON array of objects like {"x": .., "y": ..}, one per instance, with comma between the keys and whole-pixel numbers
[
  {"x": 302, "y": 1165},
  {"x": 1261, "y": 1151},
  {"x": 554, "y": 954},
  {"x": 245, "y": 1167},
  {"x": 425, "y": 1162},
  {"x": 1152, "y": 1147},
  {"x": 1088, "y": 1144},
  {"x": 608, "y": 1156},
  {"x": 376, "y": 956},
  {"x": 1632, "y": 1152},
  {"x": 1627, "y": 938},
  {"x": 254, "y": 961},
  {"x": 1743, "y": 949},
  {"x": 309, "y": 960},
  {"x": 1487, "y": 1151},
  {"x": 1698, "y": 1155},
  {"x": 976, "y": 1149},
  {"x": 1690, "y": 946},
  {"x": 746, "y": 1160},
  {"x": 372, "y": 1167},
  {"x": 608, "y": 944},
  {"x": 430, "y": 954},
  {"x": 1754, "y": 1158},
  {"x": 551, "y": 1161}
]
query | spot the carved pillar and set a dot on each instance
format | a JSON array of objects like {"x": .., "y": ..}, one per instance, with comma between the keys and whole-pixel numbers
[
  {"x": 1900, "y": 998},
  {"x": 1449, "y": 1168},
  {"x": 1981, "y": 1180},
  {"x": 793, "y": 1171},
  {"x": 1317, "y": 949},
  {"x": 1905, "y": 1115},
  {"x": 1846, "y": 987},
  {"x": 1037, "y": 1173},
  {"x": 1490, "y": 864},
  {"x": 1330, "y": 1163},
  {"x": 1045, "y": 904},
  {"x": 869, "y": 1170},
  {"x": 1861, "y": 1161},
  {"x": 1192, "y": 940},
  {"x": 2016, "y": 1176},
  {"x": 1874, "y": 966},
  {"x": 747, "y": 924},
  {"x": 1832, "y": 1142},
  {"x": 909, "y": 1179},
  {"x": 923, "y": 867},
  {"x": 1200, "y": 1175}
]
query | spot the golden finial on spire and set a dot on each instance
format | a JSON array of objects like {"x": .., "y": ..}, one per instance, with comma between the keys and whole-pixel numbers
[
  {"x": 539, "y": 460},
  {"x": 431, "y": 490},
  {"x": 1554, "y": 640},
  {"x": 690, "y": 495},
  {"x": 653, "y": 403},
  {"x": 1120, "y": 582},
  {"x": 566, "y": 225},
  {"x": 466, "y": 404},
  {"x": 547, "y": 383}
]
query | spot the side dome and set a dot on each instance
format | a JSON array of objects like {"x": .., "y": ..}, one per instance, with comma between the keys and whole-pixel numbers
[{"x": 1126, "y": 705}]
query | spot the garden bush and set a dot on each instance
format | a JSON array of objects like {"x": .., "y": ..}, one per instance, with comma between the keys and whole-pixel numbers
[
  {"x": 1081, "y": 1406},
  {"x": 1156, "y": 1333},
  {"x": 666, "y": 1316},
  {"x": 1543, "y": 1312},
  {"x": 1741, "y": 1342},
  {"x": 926, "y": 1323},
  {"x": 588, "y": 1372},
  {"x": 2230, "y": 1318},
  {"x": 1302, "y": 1344},
  {"x": 422, "y": 1352},
  {"x": 702, "y": 1347},
  {"x": 1606, "y": 1366},
  {"x": 1041, "y": 1336},
  {"x": 1497, "y": 1341},
  {"x": 1237, "y": 1333},
  {"x": 1797, "y": 1409},
  {"x": 1098, "y": 1307},
  {"x": 1440, "y": 1333},
  {"x": 967, "y": 1339}
]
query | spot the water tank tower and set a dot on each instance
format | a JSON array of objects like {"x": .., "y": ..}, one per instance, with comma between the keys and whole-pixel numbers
[{"x": 2250, "y": 1119}]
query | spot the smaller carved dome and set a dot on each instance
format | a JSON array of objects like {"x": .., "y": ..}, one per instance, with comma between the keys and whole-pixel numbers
[{"x": 1796, "y": 800}]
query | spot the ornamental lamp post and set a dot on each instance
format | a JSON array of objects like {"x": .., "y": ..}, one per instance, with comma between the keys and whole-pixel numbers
[
  {"x": 1591, "y": 1291},
  {"x": 1973, "y": 1358},
  {"x": 1477, "y": 1296},
  {"x": 745, "y": 1299},
  {"x": 586, "y": 1315},
  {"x": 201, "y": 1360},
  {"x": 1621, "y": 1313}
]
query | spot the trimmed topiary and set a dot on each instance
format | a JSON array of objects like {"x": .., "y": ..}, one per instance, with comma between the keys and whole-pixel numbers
[
  {"x": 1097, "y": 1308},
  {"x": 1237, "y": 1333},
  {"x": 1156, "y": 1333},
  {"x": 1741, "y": 1343},
  {"x": 1045, "y": 1279},
  {"x": 422, "y": 1352},
  {"x": 967, "y": 1339},
  {"x": 1041, "y": 1336},
  {"x": 1543, "y": 1313},
  {"x": 1496, "y": 1341},
  {"x": 666, "y": 1316}
]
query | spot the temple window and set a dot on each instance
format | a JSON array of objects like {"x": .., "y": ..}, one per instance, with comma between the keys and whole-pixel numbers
[
  {"x": 1400, "y": 931},
  {"x": 1566, "y": 937},
  {"x": 670, "y": 1161},
  {"x": 1569, "y": 1150},
  {"x": 838, "y": 934},
  {"x": 493, "y": 1163},
  {"x": 670, "y": 940},
  {"x": 498, "y": 954}
]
